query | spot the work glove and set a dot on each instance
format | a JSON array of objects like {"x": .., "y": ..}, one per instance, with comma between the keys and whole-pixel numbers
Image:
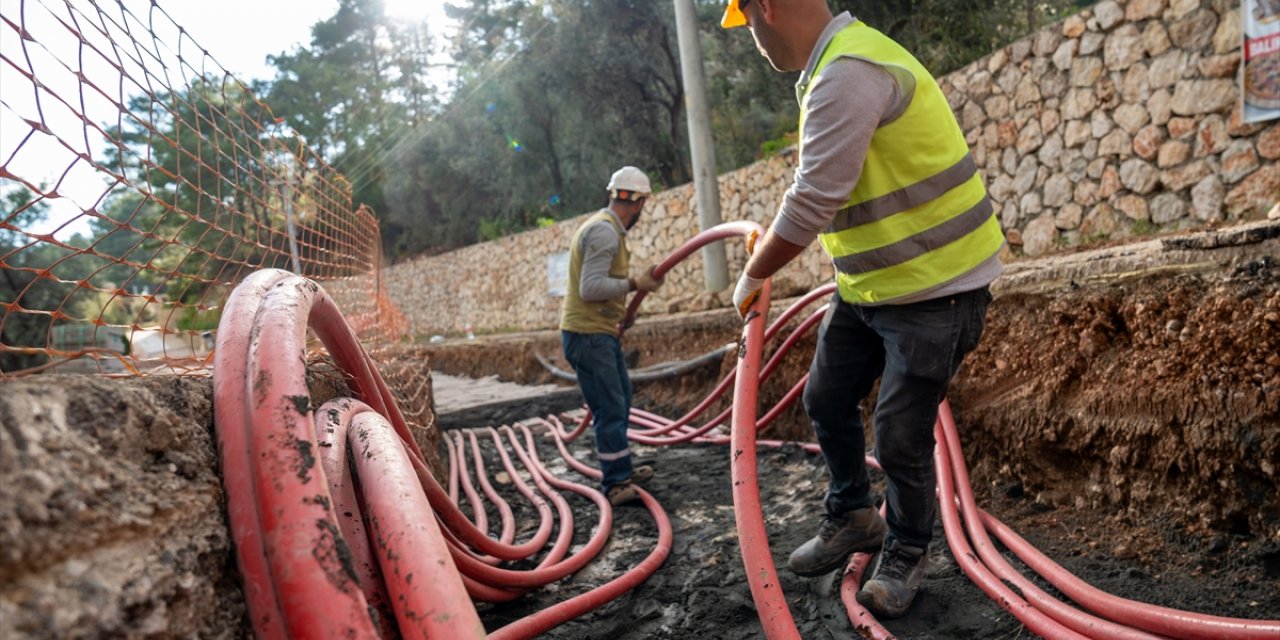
[
  {"x": 646, "y": 282},
  {"x": 745, "y": 294}
]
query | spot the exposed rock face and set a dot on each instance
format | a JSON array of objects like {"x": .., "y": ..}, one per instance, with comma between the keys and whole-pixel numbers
[{"x": 112, "y": 514}]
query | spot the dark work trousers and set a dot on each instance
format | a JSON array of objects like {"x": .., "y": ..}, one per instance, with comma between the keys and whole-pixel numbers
[
  {"x": 602, "y": 376},
  {"x": 914, "y": 349}
]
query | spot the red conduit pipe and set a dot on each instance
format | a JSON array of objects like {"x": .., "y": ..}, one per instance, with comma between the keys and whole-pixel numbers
[
  {"x": 373, "y": 389},
  {"x": 331, "y": 421},
  {"x": 478, "y": 515},
  {"x": 762, "y": 576},
  {"x": 537, "y": 577},
  {"x": 460, "y": 527},
  {"x": 232, "y": 429},
  {"x": 576, "y": 606},
  {"x": 421, "y": 579},
  {"x": 1163, "y": 620},
  {"x": 487, "y": 590},
  {"x": 658, "y": 425},
  {"x": 1035, "y": 620},
  {"x": 775, "y": 327},
  {"x": 306, "y": 300},
  {"x": 282, "y": 445},
  {"x": 504, "y": 508},
  {"x": 547, "y": 522},
  {"x": 1156, "y": 619},
  {"x": 739, "y": 228},
  {"x": 1080, "y": 621},
  {"x": 535, "y": 624},
  {"x": 864, "y": 623},
  {"x": 553, "y": 560},
  {"x": 689, "y": 434}
]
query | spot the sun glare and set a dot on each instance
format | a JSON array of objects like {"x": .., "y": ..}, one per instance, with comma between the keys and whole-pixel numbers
[{"x": 415, "y": 10}]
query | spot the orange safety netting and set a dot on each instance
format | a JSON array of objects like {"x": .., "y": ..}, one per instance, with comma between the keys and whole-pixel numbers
[{"x": 140, "y": 182}]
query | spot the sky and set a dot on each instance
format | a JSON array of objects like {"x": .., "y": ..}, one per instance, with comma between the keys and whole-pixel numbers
[{"x": 238, "y": 34}]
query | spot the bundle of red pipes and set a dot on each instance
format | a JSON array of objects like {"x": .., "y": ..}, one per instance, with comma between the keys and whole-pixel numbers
[{"x": 367, "y": 543}]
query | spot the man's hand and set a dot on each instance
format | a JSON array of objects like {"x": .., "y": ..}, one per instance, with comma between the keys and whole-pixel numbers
[
  {"x": 745, "y": 294},
  {"x": 646, "y": 282}
]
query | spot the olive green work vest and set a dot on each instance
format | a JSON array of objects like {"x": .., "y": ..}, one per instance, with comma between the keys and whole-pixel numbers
[
  {"x": 578, "y": 315},
  {"x": 919, "y": 216}
]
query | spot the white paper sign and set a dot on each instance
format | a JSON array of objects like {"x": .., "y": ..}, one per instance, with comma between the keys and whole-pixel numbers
[{"x": 558, "y": 274}]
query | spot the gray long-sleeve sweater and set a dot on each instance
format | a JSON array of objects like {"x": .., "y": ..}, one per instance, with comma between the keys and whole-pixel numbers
[{"x": 600, "y": 244}]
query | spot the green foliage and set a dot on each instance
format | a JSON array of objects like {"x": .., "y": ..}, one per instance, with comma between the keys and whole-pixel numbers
[
  {"x": 772, "y": 147},
  {"x": 195, "y": 319},
  {"x": 492, "y": 230},
  {"x": 22, "y": 210},
  {"x": 1143, "y": 227}
]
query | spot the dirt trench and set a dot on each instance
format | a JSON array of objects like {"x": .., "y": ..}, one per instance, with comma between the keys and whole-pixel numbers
[
  {"x": 1122, "y": 412},
  {"x": 1144, "y": 380}
]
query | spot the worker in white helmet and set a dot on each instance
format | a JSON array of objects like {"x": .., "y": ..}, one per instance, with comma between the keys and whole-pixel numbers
[{"x": 599, "y": 281}]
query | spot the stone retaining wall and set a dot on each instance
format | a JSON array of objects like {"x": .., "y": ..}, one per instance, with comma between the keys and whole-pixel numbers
[{"x": 1121, "y": 120}]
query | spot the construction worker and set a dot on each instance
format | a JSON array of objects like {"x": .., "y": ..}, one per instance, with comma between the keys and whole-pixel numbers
[
  {"x": 886, "y": 183},
  {"x": 593, "y": 307}
]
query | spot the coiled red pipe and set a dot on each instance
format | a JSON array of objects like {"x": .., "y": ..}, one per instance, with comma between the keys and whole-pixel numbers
[
  {"x": 290, "y": 541},
  {"x": 1135, "y": 616},
  {"x": 363, "y": 543}
]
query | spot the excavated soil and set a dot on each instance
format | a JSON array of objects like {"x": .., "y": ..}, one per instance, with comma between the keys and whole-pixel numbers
[{"x": 1122, "y": 413}]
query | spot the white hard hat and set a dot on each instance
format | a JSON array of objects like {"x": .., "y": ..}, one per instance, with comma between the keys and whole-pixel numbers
[{"x": 629, "y": 183}]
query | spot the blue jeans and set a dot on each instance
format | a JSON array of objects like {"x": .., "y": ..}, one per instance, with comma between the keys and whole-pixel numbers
[
  {"x": 602, "y": 376},
  {"x": 914, "y": 349}
]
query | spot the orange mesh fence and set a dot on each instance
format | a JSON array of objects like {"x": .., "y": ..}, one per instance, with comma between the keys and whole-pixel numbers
[{"x": 140, "y": 182}]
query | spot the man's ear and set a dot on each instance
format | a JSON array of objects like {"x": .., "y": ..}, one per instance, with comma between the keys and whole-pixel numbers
[{"x": 768, "y": 10}]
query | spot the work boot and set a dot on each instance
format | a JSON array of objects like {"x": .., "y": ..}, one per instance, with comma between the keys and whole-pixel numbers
[
  {"x": 641, "y": 474},
  {"x": 838, "y": 537},
  {"x": 622, "y": 493},
  {"x": 897, "y": 579}
]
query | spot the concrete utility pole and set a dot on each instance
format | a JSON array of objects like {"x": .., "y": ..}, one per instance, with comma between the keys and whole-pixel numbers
[{"x": 715, "y": 266}]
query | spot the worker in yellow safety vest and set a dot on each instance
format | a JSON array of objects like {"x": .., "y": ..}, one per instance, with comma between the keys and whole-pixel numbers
[
  {"x": 887, "y": 185},
  {"x": 594, "y": 304}
]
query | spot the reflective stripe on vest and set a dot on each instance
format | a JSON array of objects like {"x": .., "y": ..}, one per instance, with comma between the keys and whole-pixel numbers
[
  {"x": 919, "y": 216},
  {"x": 578, "y": 315}
]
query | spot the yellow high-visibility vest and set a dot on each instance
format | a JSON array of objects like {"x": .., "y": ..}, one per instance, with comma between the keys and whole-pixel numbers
[
  {"x": 581, "y": 316},
  {"x": 919, "y": 216}
]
